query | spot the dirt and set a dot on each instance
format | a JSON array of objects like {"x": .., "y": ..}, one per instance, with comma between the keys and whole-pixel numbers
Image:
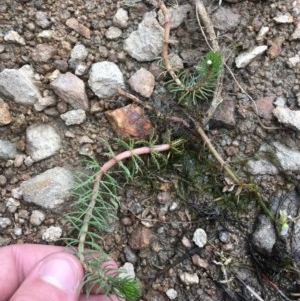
[{"x": 193, "y": 181}]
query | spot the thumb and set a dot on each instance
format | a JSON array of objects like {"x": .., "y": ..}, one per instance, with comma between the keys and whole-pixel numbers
[{"x": 57, "y": 277}]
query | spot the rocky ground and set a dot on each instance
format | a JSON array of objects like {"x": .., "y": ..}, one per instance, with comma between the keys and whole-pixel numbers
[{"x": 61, "y": 63}]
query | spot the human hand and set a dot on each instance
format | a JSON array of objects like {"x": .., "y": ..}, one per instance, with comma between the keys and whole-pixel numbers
[{"x": 42, "y": 273}]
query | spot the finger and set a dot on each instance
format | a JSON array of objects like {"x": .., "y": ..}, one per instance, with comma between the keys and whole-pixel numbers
[
  {"x": 56, "y": 277},
  {"x": 17, "y": 261}
]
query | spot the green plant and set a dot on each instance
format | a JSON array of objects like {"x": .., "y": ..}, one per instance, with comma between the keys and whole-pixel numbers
[
  {"x": 198, "y": 83},
  {"x": 96, "y": 205}
]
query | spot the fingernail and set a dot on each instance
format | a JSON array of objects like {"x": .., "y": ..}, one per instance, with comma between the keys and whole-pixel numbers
[{"x": 61, "y": 273}]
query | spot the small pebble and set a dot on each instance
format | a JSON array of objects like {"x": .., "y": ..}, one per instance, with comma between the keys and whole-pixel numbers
[
  {"x": 171, "y": 293},
  {"x": 200, "y": 237},
  {"x": 52, "y": 234}
]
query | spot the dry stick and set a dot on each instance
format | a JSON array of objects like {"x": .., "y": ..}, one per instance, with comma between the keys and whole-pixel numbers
[
  {"x": 217, "y": 98},
  {"x": 104, "y": 169}
]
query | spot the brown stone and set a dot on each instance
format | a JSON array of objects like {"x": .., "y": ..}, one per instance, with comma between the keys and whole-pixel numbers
[
  {"x": 5, "y": 116},
  {"x": 200, "y": 262},
  {"x": 265, "y": 107},
  {"x": 129, "y": 122},
  {"x": 79, "y": 28},
  {"x": 140, "y": 238},
  {"x": 275, "y": 50}
]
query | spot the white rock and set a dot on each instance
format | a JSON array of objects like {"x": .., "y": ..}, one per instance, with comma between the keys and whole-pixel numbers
[
  {"x": 13, "y": 37},
  {"x": 296, "y": 33},
  {"x": 12, "y": 205},
  {"x": 282, "y": 19},
  {"x": 52, "y": 234},
  {"x": 42, "y": 141},
  {"x": 262, "y": 33},
  {"x": 18, "y": 85},
  {"x": 120, "y": 19},
  {"x": 73, "y": 117},
  {"x": 37, "y": 217},
  {"x": 189, "y": 279},
  {"x": 261, "y": 167},
  {"x": 45, "y": 34},
  {"x": 79, "y": 52},
  {"x": 245, "y": 58},
  {"x": 8, "y": 150},
  {"x": 127, "y": 270},
  {"x": 145, "y": 44},
  {"x": 294, "y": 61},
  {"x": 171, "y": 293},
  {"x": 288, "y": 159},
  {"x": 105, "y": 78},
  {"x": 4, "y": 222},
  {"x": 200, "y": 238},
  {"x": 49, "y": 189},
  {"x": 288, "y": 117},
  {"x": 45, "y": 102},
  {"x": 18, "y": 231},
  {"x": 113, "y": 33}
]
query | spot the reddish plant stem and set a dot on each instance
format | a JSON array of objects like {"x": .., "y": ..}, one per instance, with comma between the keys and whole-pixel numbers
[{"x": 103, "y": 170}]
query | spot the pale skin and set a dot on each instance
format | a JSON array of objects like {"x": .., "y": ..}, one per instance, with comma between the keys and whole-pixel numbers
[{"x": 42, "y": 273}]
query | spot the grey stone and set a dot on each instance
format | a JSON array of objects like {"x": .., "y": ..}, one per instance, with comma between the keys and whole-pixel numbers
[
  {"x": 12, "y": 205},
  {"x": 264, "y": 236},
  {"x": 120, "y": 19},
  {"x": 42, "y": 141},
  {"x": 177, "y": 15},
  {"x": 288, "y": 159},
  {"x": 52, "y": 234},
  {"x": 296, "y": 33},
  {"x": 142, "y": 81},
  {"x": 113, "y": 33},
  {"x": 73, "y": 117},
  {"x": 288, "y": 117},
  {"x": 145, "y": 44},
  {"x": 245, "y": 58},
  {"x": 41, "y": 19},
  {"x": 225, "y": 19},
  {"x": 13, "y": 37},
  {"x": 283, "y": 19},
  {"x": 43, "y": 53},
  {"x": 8, "y": 150},
  {"x": 18, "y": 86},
  {"x": 37, "y": 217},
  {"x": 105, "y": 78},
  {"x": 130, "y": 255},
  {"x": 171, "y": 293},
  {"x": 49, "y": 189},
  {"x": 261, "y": 167},
  {"x": 79, "y": 52},
  {"x": 71, "y": 89},
  {"x": 4, "y": 222}
]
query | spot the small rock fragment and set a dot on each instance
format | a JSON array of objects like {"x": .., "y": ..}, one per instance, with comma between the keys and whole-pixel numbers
[
  {"x": 262, "y": 33},
  {"x": 79, "y": 28},
  {"x": 4, "y": 222},
  {"x": 283, "y": 19},
  {"x": 42, "y": 141},
  {"x": 13, "y": 37},
  {"x": 245, "y": 58},
  {"x": 52, "y": 234},
  {"x": 188, "y": 278},
  {"x": 140, "y": 238},
  {"x": 264, "y": 236},
  {"x": 5, "y": 116},
  {"x": 43, "y": 53},
  {"x": 127, "y": 270},
  {"x": 12, "y": 205},
  {"x": 200, "y": 238},
  {"x": 79, "y": 53},
  {"x": 200, "y": 262},
  {"x": 71, "y": 89},
  {"x": 261, "y": 167},
  {"x": 49, "y": 189},
  {"x": 113, "y": 33},
  {"x": 288, "y": 117},
  {"x": 145, "y": 44},
  {"x": 171, "y": 293},
  {"x": 120, "y": 19},
  {"x": 225, "y": 19},
  {"x": 129, "y": 121},
  {"x": 8, "y": 150},
  {"x": 105, "y": 78},
  {"x": 296, "y": 33},
  {"x": 265, "y": 107},
  {"x": 41, "y": 19},
  {"x": 37, "y": 217},
  {"x": 142, "y": 82},
  {"x": 73, "y": 117}
]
